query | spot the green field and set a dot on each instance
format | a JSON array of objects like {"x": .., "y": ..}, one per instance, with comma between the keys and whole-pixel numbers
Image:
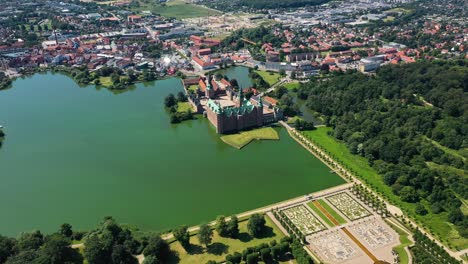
[
  {"x": 291, "y": 85},
  {"x": 106, "y": 81},
  {"x": 183, "y": 107},
  {"x": 399, "y": 9},
  {"x": 222, "y": 246},
  {"x": 332, "y": 211},
  {"x": 178, "y": 9},
  {"x": 404, "y": 242},
  {"x": 319, "y": 213},
  {"x": 269, "y": 77},
  {"x": 243, "y": 138},
  {"x": 293, "y": 119},
  {"x": 436, "y": 223},
  {"x": 192, "y": 87}
]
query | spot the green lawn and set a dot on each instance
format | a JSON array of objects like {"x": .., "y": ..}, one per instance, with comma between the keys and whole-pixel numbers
[
  {"x": 319, "y": 213},
  {"x": 399, "y": 9},
  {"x": 178, "y": 9},
  {"x": 183, "y": 107},
  {"x": 404, "y": 242},
  {"x": 243, "y": 138},
  {"x": 332, "y": 212},
  {"x": 436, "y": 223},
  {"x": 106, "y": 81},
  {"x": 192, "y": 87},
  {"x": 222, "y": 246},
  {"x": 291, "y": 85},
  {"x": 269, "y": 77},
  {"x": 293, "y": 119}
]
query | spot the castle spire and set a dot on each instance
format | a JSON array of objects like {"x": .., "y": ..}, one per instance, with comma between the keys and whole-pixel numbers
[{"x": 240, "y": 96}]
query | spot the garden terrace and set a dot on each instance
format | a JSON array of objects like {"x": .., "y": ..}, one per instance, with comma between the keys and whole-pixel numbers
[
  {"x": 303, "y": 219},
  {"x": 348, "y": 206}
]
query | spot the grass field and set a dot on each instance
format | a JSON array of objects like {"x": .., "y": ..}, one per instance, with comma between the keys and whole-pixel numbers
[
  {"x": 243, "y": 138},
  {"x": 332, "y": 212},
  {"x": 183, "y": 107},
  {"x": 192, "y": 88},
  {"x": 436, "y": 223},
  {"x": 293, "y": 119},
  {"x": 105, "y": 81},
  {"x": 291, "y": 85},
  {"x": 222, "y": 246},
  {"x": 320, "y": 214},
  {"x": 399, "y": 9},
  {"x": 404, "y": 242},
  {"x": 269, "y": 77},
  {"x": 178, "y": 9}
]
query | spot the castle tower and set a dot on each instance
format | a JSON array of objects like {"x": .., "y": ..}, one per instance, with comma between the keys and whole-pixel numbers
[
  {"x": 209, "y": 92},
  {"x": 260, "y": 112},
  {"x": 240, "y": 97}
]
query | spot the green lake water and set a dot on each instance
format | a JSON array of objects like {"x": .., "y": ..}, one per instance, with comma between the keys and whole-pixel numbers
[{"x": 74, "y": 154}]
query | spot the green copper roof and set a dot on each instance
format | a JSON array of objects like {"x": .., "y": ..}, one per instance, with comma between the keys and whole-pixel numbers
[{"x": 245, "y": 108}]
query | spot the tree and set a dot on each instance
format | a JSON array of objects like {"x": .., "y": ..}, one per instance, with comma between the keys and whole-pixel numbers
[
  {"x": 293, "y": 75},
  {"x": 221, "y": 226},
  {"x": 408, "y": 194},
  {"x": 151, "y": 260},
  {"x": 170, "y": 100},
  {"x": 181, "y": 97},
  {"x": 205, "y": 234},
  {"x": 7, "y": 248},
  {"x": 282, "y": 72},
  {"x": 158, "y": 248},
  {"x": 66, "y": 230},
  {"x": 280, "y": 91},
  {"x": 420, "y": 209},
  {"x": 182, "y": 235},
  {"x": 265, "y": 255},
  {"x": 57, "y": 250},
  {"x": 233, "y": 227},
  {"x": 252, "y": 258},
  {"x": 256, "y": 224},
  {"x": 120, "y": 255},
  {"x": 95, "y": 251},
  {"x": 30, "y": 241}
]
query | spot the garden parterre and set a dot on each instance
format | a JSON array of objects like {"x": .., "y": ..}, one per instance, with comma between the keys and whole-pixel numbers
[
  {"x": 304, "y": 220},
  {"x": 348, "y": 206}
]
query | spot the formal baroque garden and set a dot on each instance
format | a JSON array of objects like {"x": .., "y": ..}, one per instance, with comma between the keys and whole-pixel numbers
[
  {"x": 348, "y": 206},
  {"x": 304, "y": 220}
]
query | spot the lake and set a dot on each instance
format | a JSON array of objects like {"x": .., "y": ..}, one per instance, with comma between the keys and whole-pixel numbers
[{"x": 76, "y": 154}]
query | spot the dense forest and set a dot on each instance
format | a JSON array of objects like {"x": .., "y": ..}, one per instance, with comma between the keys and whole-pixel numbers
[{"x": 408, "y": 121}]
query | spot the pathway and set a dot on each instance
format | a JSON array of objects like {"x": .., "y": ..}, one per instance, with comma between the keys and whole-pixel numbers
[{"x": 324, "y": 211}]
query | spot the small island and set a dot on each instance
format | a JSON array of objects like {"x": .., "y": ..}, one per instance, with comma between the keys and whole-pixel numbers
[{"x": 243, "y": 138}]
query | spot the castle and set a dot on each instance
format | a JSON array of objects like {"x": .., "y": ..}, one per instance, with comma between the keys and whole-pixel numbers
[{"x": 229, "y": 109}]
